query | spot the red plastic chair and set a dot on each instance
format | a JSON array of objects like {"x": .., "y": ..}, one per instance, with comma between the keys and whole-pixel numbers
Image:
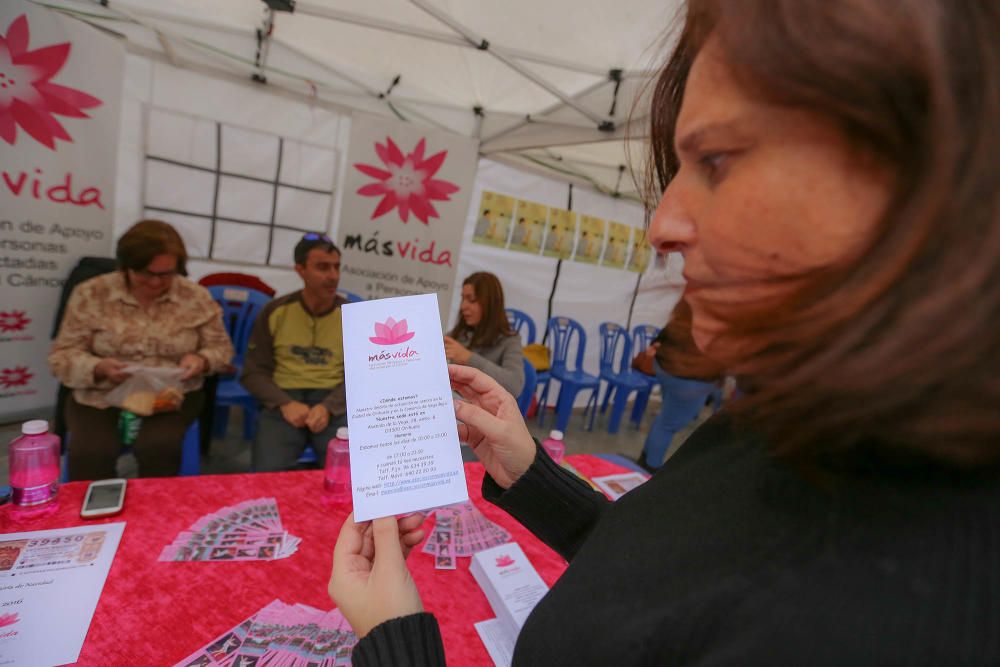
[{"x": 237, "y": 280}]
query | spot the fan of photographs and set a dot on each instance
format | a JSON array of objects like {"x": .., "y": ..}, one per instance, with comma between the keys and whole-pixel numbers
[
  {"x": 289, "y": 635},
  {"x": 250, "y": 530},
  {"x": 461, "y": 530}
]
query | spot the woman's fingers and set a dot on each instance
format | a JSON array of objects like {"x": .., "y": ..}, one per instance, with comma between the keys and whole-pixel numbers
[
  {"x": 347, "y": 553},
  {"x": 478, "y": 419},
  {"x": 388, "y": 551},
  {"x": 411, "y": 522},
  {"x": 477, "y": 380},
  {"x": 413, "y": 537}
]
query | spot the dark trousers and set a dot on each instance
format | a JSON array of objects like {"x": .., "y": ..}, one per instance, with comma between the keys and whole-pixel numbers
[
  {"x": 93, "y": 444},
  {"x": 278, "y": 444}
]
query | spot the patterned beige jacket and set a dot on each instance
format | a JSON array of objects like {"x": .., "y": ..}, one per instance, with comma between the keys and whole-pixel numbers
[{"x": 103, "y": 319}]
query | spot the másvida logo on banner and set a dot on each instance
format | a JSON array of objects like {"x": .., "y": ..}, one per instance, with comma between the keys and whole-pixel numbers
[
  {"x": 406, "y": 185},
  {"x": 388, "y": 334},
  {"x": 30, "y": 100},
  {"x": 13, "y": 322},
  {"x": 14, "y": 382}
]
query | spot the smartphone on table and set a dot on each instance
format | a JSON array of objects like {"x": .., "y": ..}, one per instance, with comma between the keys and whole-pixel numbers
[{"x": 104, "y": 498}]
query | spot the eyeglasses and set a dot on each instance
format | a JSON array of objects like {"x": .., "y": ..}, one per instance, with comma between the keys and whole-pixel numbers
[
  {"x": 313, "y": 236},
  {"x": 146, "y": 273}
]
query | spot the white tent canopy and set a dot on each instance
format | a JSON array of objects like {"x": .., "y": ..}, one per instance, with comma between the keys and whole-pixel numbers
[
  {"x": 195, "y": 60},
  {"x": 555, "y": 87}
]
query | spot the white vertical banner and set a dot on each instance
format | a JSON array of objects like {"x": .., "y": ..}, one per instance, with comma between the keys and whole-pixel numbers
[
  {"x": 406, "y": 195},
  {"x": 60, "y": 92}
]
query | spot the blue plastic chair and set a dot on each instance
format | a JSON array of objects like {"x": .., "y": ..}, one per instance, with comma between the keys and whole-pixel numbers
[
  {"x": 522, "y": 323},
  {"x": 240, "y": 307},
  {"x": 530, "y": 381},
  {"x": 308, "y": 457},
  {"x": 190, "y": 453},
  {"x": 561, "y": 333},
  {"x": 521, "y": 320},
  {"x": 643, "y": 336},
  {"x": 616, "y": 358},
  {"x": 350, "y": 296}
]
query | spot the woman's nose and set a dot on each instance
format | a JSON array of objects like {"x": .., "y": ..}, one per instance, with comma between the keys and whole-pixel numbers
[{"x": 671, "y": 228}]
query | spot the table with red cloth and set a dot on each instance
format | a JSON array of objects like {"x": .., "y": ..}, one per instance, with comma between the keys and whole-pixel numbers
[{"x": 156, "y": 613}]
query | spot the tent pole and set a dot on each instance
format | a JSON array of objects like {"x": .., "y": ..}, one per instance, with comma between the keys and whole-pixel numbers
[
  {"x": 555, "y": 279},
  {"x": 263, "y": 34},
  {"x": 638, "y": 280},
  {"x": 168, "y": 49}
]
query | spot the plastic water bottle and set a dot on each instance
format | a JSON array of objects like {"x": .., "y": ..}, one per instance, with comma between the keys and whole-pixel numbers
[
  {"x": 555, "y": 446},
  {"x": 34, "y": 470},
  {"x": 337, "y": 473}
]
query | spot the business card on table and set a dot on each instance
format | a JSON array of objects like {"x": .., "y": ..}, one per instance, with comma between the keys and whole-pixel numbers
[
  {"x": 405, "y": 454},
  {"x": 511, "y": 584}
]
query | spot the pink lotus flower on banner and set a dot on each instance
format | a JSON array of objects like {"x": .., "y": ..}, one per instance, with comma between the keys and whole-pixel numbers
[
  {"x": 27, "y": 95},
  {"x": 391, "y": 332},
  {"x": 504, "y": 561},
  {"x": 8, "y": 619},
  {"x": 407, "y": 182}
]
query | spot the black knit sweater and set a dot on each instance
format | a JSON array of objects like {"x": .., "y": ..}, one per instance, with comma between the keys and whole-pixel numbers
[{"x": 727, "y": 557}]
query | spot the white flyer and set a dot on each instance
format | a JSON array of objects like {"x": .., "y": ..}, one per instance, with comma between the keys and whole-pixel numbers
[
  {"x": 511, "y": 584},
  {"x": 499, "y": 644},
  {"x": 616, "y": 486},
  {"x": 405, "y": 454},
  {"x": 40, "y": 572}
]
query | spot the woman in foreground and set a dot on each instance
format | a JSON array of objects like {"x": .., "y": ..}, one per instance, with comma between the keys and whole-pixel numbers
[{"x": 828, "y": 171}]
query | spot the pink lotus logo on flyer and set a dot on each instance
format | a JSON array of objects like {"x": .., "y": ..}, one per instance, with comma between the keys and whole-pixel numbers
[
  {"x": 8, "y": 619},
  {"x": 391, "y": 332},
  {"x": 504, "y": 561},
  {"x": 13, "y": 320},
  {"x": 28, "y": 98},
  {"x": 406, "y": 182}
]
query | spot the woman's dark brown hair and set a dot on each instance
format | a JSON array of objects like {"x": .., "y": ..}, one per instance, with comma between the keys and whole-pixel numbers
[
  {"x": 678, "y": 354},
  {"x": 145, "y": 240},
  {"x": 898, "y": 349},
  {"x": 493, "y": 324}
]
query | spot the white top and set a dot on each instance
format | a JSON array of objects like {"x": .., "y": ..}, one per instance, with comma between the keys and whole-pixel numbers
[
  {"x": 555, "y": 435},
  {"x": 35, "y": 427},
  {"x": 342, "y": 433}
]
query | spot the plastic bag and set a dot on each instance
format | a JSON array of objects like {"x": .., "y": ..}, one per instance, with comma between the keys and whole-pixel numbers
[
  {"x": 537, "y": 355},
  {"x": 150, "y": 390}
]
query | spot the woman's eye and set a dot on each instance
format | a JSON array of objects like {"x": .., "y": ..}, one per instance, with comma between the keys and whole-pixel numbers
[{"x": 713, "y": 164}]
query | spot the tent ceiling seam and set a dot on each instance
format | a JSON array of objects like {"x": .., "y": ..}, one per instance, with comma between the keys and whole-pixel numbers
[
  {"x": 532, "y": 118},
  {"x": 498, "y": 53},
  {"x": 313, "y": 9}
]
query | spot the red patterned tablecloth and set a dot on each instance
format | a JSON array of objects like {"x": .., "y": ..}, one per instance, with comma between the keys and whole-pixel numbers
[{"x": 156, "y": 613}]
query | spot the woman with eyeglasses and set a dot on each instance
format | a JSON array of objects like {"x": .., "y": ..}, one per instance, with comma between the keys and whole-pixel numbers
[
  {"x": 146, "y": 314},
  {"x": 828, "y": 170}
]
